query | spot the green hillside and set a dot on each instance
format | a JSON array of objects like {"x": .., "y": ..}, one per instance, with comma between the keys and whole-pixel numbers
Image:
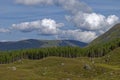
[
  {"x": 105, "y": 43},
  {"x": 112, "y": 58},
  {"x": 110, "y": 35}
]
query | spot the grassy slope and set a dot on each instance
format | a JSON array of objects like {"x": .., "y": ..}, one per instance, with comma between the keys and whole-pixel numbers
[
  {"x": 111, "y": 34},
  {"x": 54, "y": 68},
  {"x": 113, "y": 58},
  {"x": 110, "y": 61}
]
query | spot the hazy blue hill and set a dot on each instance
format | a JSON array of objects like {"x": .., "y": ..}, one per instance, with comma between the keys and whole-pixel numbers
[{"x": 33, "y": 43}]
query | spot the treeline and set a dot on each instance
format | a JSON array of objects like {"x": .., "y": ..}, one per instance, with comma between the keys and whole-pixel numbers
[
  {"x": 101, "y": 49},
  {"x": 11, "y": 56},
  {"x": 96, "y": 50}
]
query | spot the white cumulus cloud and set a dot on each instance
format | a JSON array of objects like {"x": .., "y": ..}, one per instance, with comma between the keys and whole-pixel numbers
[
  {"x": 3, "y": 30},
  {"x": 94, "y": 21},
  {"x": 84, "y": 36},
  {"x": 45, "y": 26},
  {"x": 90, "y": 24},
  {"x": 112, "y": 19}
]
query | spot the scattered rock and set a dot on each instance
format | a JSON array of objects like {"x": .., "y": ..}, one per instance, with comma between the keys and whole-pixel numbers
[
  {"x": 68, "y": 79},
  {"x": 44, "y": 74},
  {"x": 14, "y": 68},
  {"x": 62, "y": 64},
  {"x": 20, "y": 60},
  {"x": 93, "y": 62},
  {"x": 8, "y": 67},
  {"x": 87, "y": 67},
  {"x": 111, "y": 73},
  {"x": 104, "y": 73},
  {"x": 45, "y": 68}
]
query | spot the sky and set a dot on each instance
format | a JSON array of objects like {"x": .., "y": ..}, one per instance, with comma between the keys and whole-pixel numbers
[{"x": 82, "y": 20}]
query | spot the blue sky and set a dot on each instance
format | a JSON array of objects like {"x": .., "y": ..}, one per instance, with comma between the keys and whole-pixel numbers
[{"x": 16, "y": 12}]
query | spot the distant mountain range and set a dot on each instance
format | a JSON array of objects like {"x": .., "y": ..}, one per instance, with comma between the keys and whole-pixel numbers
[
  {"x": 33, "y": 43},
  {"x": 113, "y": 33}
]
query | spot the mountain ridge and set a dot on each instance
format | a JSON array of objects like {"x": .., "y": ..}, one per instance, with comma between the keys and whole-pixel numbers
[{"x": 35, "y": 43}]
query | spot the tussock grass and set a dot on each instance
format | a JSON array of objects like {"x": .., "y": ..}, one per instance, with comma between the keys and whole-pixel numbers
[{"x": 52, "y": 68}]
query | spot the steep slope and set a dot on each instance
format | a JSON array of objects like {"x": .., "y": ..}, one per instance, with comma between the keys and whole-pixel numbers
[
  {"x": 105, "y": 43},
  {"x": 113, "y": 33},
  {"x": 33, "y": 43}
]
